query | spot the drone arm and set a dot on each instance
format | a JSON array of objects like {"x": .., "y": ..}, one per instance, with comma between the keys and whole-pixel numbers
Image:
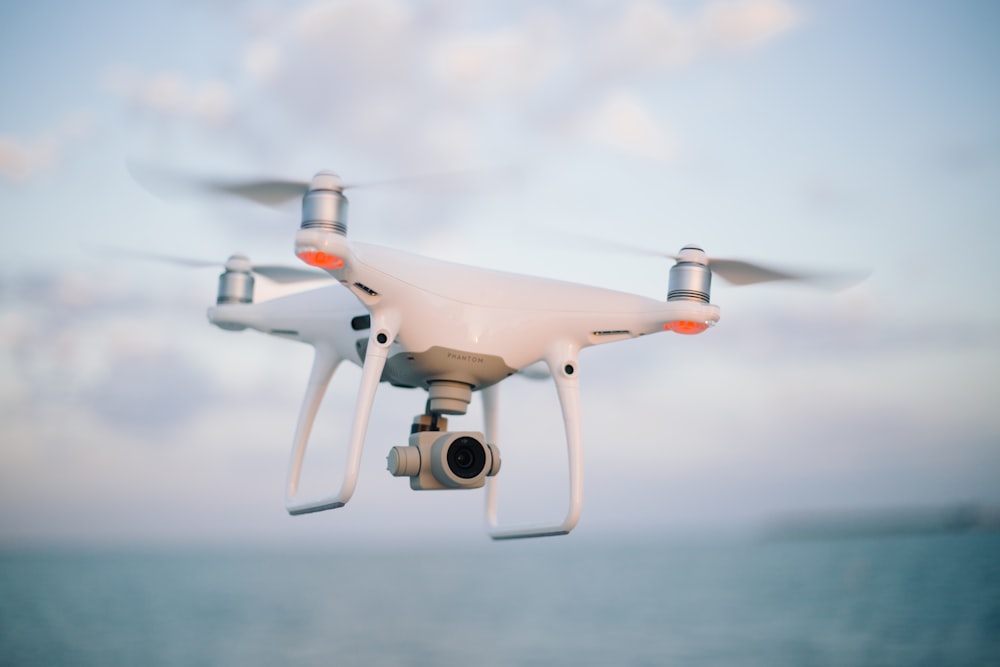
[
  {"x": 562, "y": 363},
  {"x": 383, "y": 333}
]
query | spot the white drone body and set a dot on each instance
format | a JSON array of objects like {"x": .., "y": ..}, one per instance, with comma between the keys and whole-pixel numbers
[{"x": 451, "y": 330}]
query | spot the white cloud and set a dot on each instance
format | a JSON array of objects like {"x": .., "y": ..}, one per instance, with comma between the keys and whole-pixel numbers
[
  {"x": 169, "y": 94},
  {"x": 648, "y": 35},
  {"x": 20, "y": 161},
  {"x": 369, "y": 38},
  {"x": 506, "y": 63},
  {"x": 212, "y": 102},
  {"x": 747, "y": 23},
  {"x": 623, "y": 122},
  {"x": 164, "y": 92},
  {"x": 404, "y": 86},
  {"x": 24, "y": 159},
  {"x": 262, "y": 60}
]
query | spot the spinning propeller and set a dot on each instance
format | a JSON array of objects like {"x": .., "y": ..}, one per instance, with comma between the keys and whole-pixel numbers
[
  {"x": 275, "y": 192},
  {"x": 737, "y": 272},
  {"x": 267, "y": 191},
  {"x": 237, "y": 262}
]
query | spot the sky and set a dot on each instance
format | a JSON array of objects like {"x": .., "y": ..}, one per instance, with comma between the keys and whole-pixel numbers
[{"x": 843, "y": 136}]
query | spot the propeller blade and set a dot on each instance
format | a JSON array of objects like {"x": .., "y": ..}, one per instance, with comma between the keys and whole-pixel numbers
[
  {"x": 266, "y": 192},
  {"x": 172, "y": 183},
  {"x": 736, "y": 272},
  {"x": 739, "y": 272},
  {"x": 273, "y": 192},
  {"x": 276, "y": 272}
]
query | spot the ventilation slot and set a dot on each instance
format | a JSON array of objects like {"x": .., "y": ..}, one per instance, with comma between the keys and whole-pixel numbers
[{"x": 366, "y": 289}]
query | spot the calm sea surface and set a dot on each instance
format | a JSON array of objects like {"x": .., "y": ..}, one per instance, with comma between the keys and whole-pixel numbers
[{"x": 914, "y": 600}]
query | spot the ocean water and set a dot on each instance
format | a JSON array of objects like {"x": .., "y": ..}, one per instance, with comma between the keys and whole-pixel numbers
[{"x": 905, "y": 600}]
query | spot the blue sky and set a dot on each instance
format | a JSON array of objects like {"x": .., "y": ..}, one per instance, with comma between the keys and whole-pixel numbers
[{"x": 849, "y": 135}]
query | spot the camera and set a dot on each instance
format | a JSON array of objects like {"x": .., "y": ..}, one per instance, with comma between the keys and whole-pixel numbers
[{"x": 443, "y": 460}]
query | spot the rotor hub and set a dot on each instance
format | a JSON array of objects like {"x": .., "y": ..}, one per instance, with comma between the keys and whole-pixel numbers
[
  {"x": 236, "y": 282},
  {"x": 324, "y": 206},
  {"x": 690, "y": 277}
]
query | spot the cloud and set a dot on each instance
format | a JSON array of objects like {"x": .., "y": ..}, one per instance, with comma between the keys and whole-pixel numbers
[
  {"x": 504, "y": 64},
  {"x": 745, "y": 24},
  {"x": 169, "y": 94},
  {"x": 24, "y": 159},
  {"x": 623, "y": 123},
  {"x": 150, "y": 394},
  {"x": 262, "y": 60},
  {"x": 410, "y": 85},
  {"x": 20, "y": 161},
  {"x": 84, "y": 339},
  {"x": 647, "y": 35}
]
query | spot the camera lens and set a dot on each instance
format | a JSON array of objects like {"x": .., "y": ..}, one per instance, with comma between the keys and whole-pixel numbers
[{"x": 466, "y": 457}]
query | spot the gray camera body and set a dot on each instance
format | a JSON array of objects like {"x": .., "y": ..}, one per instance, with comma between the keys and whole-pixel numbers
[{"x": 445, "y": 460}]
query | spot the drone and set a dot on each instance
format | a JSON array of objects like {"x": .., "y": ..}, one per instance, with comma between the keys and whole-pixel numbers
[{"x": 450, "y": 330}]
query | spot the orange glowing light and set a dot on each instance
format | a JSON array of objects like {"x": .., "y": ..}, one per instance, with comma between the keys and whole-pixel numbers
[
  {"x": 686, "y": 327},
  {"x": 321, "y": 259}
]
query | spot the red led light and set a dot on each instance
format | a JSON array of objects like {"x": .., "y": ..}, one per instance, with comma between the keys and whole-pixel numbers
[
  {"x": 321, "y": 260},
  {"x": 686, "y": 327}
]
